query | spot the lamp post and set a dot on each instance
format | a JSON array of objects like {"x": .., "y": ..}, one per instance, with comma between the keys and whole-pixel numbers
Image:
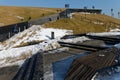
[
  {"x": 118, "y": 14},
  {"x": 85, "y": 9},
  {"x": 93, "y": 7},
  {"x": 112, "y": 14},
  {"x": 66, "y": 7}
]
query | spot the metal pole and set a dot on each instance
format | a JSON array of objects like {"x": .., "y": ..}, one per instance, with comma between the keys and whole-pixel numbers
[
  {"x": 9, "y": 35},
  {"x": 19, "y": 29},
  {"x": 52, "y": 35},
  {"x": 24, "y": 27}
]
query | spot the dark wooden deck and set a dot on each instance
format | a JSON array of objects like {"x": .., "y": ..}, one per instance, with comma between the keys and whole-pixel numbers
[{"x": 84, "y": 68}]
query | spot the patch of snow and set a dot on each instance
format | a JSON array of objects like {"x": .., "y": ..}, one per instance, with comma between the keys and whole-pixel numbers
[
  {"x": 36, "y": 33},
  {"x": 19, "y": 17},
  {"x": 16, "y": 56},
  {"x": 93, "y": 78},
  {"x": 58, "y": 50},
  {"x": 111, "y": 74},
  {"x": 112, "y": 32},
  {"x": 105, "y": 34},
  {"x": 12, "y": 54},
  {"x": 58, "y": 32},
  {"x": 85, "y": 13},
  {"x": 76, "y": 40},
  {"x": 101, "y": 23},
  {"x": 15, "y": 52},
  {"x": 115, "y": 30},
  {"x": 19, "y": 63},
  {"x": 102, "y": 55},
  {"x": 117, "y": 45},
  {"x": 116, "y": 61},
  {"x": 70, "y": 15}
]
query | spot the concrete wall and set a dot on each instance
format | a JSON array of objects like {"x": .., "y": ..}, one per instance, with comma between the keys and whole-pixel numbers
[
  {"x": 96, "y": 11},
  {"x": 44, "y": 19},
  {"x": 10, "y": 28},
  {"x": 3, "y": 37}
]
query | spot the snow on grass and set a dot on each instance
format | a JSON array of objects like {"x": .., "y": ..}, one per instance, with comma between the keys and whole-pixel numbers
[
  {"x": 76, "y": 40},
  {"x": 20, "y": 17},
  {"x": 113, "y": 32},
  {"x": 16, "y": 56},
  {"x": 97, "y": 22},
  {"x": 34, "y": 34},
  {"x": 110, "y": 74},
  {"x": 24, "y": 44},
  {"x": 105, "y": 34}
]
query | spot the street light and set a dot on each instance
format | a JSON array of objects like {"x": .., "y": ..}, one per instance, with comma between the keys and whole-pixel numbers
[
  {"x": 112, "y": 14},
  {"x": 66, "y": 6},
  {"x": 85, "y": 9}
]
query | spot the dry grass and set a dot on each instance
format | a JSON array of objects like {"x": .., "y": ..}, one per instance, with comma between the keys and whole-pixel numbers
[
  {"x": 8, "y": 14},
  {"x": 22, "y": 44},
  {"x": 80, "y": 24}
]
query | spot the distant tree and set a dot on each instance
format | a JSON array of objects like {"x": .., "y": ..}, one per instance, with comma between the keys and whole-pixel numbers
[
  {"x": 93, "y": 7},
  {"x": 112, "y": 14}
]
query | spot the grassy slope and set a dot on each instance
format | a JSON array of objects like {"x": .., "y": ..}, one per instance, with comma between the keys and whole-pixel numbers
[
  {"x": 81, "y": 25},
  {"x": 8, "y": 15}
]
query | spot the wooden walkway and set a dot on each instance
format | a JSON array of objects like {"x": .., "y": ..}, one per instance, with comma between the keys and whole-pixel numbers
[
  {"x": 32, "y": 69},
  {"x": 84, "y": 68}
]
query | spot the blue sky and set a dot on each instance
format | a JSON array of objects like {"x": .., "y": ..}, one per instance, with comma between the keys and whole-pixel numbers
[{"x": 105, "y": 5}]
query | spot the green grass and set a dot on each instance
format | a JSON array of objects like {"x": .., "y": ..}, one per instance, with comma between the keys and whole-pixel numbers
[
  {"x": 8, "y": 14},
  {"x": 80, "y": 24}
]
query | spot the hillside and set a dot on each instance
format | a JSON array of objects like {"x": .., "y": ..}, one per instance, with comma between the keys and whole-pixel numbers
[
  {"x": 84, "y": 23},
  {"x": 12, "y": 14}
]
